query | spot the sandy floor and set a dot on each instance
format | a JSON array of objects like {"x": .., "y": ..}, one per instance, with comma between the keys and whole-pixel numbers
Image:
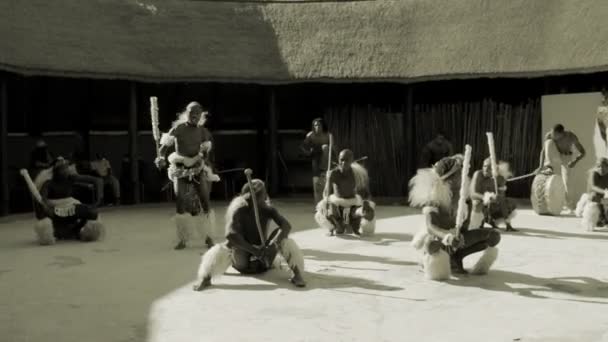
[{"x": 550, "y": 283}]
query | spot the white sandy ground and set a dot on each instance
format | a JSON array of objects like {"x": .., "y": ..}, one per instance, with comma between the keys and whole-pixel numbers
[{"x": 550, "y": 283}]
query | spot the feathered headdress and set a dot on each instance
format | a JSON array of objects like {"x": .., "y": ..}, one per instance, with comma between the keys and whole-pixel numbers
[{"x": 433, "y": 186}]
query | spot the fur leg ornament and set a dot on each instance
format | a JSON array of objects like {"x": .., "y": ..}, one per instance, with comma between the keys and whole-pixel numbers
[
  {"x": 591, "y": 215},
  {"x": 580, "y": 205},
  {"x": 204, "y": 224},
  {"x": 44, "y": 232},
  {"x": 183, "y": 225},
  {"x": 321, "y": 216},
  {"x": 92, "y": 231},
  {"x": 486, "y": 261},
  {"x": 213, "y": 264},
  {"x": 437, "y": 265},
  {"x": 292, "y": 254},
  {"x": 367, "y": 212}
]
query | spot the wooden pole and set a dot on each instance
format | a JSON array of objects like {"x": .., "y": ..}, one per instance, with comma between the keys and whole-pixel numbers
[
  {"x": 273, "y": 145},
  {"x": 133, "y": 155},
  {"x": 4, "y": 196},
  {"x": 408, "y": 130}
]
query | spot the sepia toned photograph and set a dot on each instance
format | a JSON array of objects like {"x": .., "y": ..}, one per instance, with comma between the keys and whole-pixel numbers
[{"x": 303, "y": 170}]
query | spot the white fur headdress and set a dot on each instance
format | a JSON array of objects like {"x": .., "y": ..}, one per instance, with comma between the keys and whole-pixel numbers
[
  {"x": 427, "y": 187},
  {"x": 183, "y": 117},
  {"x": 434, "y": 186},
  {"x": 361, "y": 177}
]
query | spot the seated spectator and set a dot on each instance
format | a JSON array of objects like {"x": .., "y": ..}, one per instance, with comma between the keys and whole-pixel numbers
[
  {"x": 84, "y": 172},
  {"x": 102, "y": 168},
  {"x": 40, "y": 158}
]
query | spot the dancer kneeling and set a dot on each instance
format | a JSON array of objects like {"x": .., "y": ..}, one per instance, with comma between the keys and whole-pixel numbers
[
  {"x": 437, "y": 191},
  {"x": 489, "y": 206},
  {"x": 593, "y": 205},
  {"x": 245, "y": 249},
  {"x": 346, "y": 200},
  {"x": 61, "y": 216}
]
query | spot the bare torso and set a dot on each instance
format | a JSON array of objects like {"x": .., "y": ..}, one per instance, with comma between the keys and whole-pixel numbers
[
  {"x": 343, "y": 183},
  {"x": 566, "y": 144}
]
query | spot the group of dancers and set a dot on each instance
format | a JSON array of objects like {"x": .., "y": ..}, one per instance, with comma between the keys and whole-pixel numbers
[{"x": 456, "y": 208}]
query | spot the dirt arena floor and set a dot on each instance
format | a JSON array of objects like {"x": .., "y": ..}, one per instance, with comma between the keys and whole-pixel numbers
[{"x": 550, "y": 283}]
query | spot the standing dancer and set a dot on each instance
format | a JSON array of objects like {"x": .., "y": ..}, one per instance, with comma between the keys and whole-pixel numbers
[
  {"x": 251, "y": 247},
  {"x": 600, "y": 140},
  {"x": 561, "y": 151},
  {"x": 188, "y": 169},
  {"x": 318, "y": 146},
  {"x": 444, "y": 241}
]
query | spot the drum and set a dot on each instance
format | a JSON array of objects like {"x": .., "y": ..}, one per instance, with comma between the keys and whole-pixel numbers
[{"x": 548, "y": 194}]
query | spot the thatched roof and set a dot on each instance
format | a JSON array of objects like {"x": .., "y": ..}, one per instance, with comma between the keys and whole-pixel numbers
[{"x": 294, "y": 41}]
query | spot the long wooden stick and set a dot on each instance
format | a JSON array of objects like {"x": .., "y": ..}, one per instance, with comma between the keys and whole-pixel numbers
[
  {"x": 154, "y": 119},
  {"x": 31, "y": 186},
  {"x": 460, "y": 212},
  {"x": 492, "y": 149},
  {"x": 248, "y": 173},
  {"x": 327, "y": 173}
]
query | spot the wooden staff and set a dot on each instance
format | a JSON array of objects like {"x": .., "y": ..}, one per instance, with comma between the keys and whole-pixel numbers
[
  {"x": 328, "y": 170},
  {"x": 248, "y": 173},
  {"x": 460, "y": 212},
  {"x": 31, "y": 186},
  {"x": 154, "y": 119},
  {"x": 491, "y": 147}
]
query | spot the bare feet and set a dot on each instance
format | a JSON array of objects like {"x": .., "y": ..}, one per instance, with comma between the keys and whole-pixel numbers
[
  {"x": 180, "y": 245},
  {"x": 204, "y": 284},
  {"x": 297, "y": 279},
  {"x": 510, "y": 228},
  {"x": 209, "y": 242}
]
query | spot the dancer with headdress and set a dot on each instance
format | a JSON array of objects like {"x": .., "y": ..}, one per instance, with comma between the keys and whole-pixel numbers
[
  {"x": 444, "y": 240},
  {"x": 189, "y": 168},
  {"x": 251, "y": 245},
  {"x": 347, "y": 200}
]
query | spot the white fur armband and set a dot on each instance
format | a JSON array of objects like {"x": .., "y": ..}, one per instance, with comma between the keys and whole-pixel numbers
[
  {"x": 206, "y": 146},
  {"x": 167, "y": 140},
  {"x": 428, "y": 209},
  {"x": 487, "y": 197},
  {"x": 606, "y": 193}
]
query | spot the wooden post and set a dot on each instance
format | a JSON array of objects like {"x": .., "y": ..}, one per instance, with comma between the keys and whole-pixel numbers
[
  {"x": 4, "y": 196},
  {"x": 408, "y": 130},
  {"x": 273, "y": 145},
  {"x": 133, "y": 155}
]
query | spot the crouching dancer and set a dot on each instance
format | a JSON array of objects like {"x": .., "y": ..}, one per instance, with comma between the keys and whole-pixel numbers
[
  {"x": 61, "y": 216},
  {"x": 445, "y": 241},
  {"x": 488, "y": 205},
  {"x": 346, "y": 202},
  {"x": 250, "y": 247},
  {"x": 593, "y": 205}
]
